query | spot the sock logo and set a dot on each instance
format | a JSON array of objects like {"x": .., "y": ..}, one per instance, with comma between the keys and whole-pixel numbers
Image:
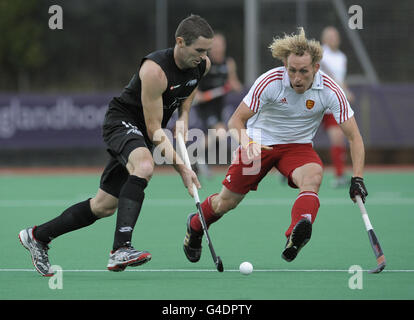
[{"x": 125, "y": 229}]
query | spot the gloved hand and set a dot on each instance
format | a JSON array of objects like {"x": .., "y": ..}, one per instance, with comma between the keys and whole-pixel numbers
[{"x": 358, "y": 188}]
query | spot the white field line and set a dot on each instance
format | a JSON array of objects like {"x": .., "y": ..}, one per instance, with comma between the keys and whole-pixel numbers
[
  {"x": 205, "y": 270},
  {"x": 186, "y": 202}
]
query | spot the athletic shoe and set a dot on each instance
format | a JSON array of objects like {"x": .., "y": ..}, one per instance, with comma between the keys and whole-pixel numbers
[
  {"x": 300, "y": 236},
  {"x": 38, "y": 251},
  {"x": 127, "y": 256},
  {"x": 192, "y": 242}
]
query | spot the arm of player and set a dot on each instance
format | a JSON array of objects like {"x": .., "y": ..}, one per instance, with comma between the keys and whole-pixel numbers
[
  {"x": 181, "y": 125},
  {"x": 356, "y": 146},
  {"x": 237, "y": 129},
  {"x": 154, "y": 83}
]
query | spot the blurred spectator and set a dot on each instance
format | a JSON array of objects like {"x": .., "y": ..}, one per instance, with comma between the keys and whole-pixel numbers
[
  {"x": 334, "y": 63},
  {"x": 211, "y": 95}
]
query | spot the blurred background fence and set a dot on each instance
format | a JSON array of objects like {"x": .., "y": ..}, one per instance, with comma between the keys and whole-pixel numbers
[{"x": 55, "y": 84}]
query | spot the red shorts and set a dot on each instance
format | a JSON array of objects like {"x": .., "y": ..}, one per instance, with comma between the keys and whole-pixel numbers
[
  {"x": 242, "y": 176},
  {"x": 329, "y": 121}
]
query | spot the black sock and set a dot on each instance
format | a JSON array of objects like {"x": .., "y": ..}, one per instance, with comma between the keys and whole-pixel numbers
[
  {"x": 129, "y": 205},
  {"x": 75, "y": 217}
]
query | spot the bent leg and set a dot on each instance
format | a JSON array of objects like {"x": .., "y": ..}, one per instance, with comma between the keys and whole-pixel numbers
[
  {"x": 103, "y": 204},
  {"x": 215, "y": 206},
  {"x": 222, "y": 202},
  {"x": 140, "y": 167},
  {"x": 85, "y": 213},
  {"x": 225, "y": 201},
  {"x": 308, "y": 179},
  {"x": 77, "y": 216}
]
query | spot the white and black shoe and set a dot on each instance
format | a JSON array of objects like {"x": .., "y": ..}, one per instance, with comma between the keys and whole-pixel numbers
[
  {"x": 127, "y": 256},
  {"x": 38, "y": 250}
]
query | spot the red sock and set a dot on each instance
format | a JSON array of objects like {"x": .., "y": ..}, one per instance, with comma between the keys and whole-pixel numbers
[
  {"x": 208, "y": 214},
  {"x": 305, "y": 206},
  {"x": 338, "y": 156}
]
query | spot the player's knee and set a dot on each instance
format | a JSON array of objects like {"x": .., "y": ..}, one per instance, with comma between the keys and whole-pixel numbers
[
  {"x": 225, "y": 205},
  {"x": 107, "y": 212},
  {"x": 144, "y": 169},
  {"x": 102, "y": 209},
  {"x": 308, "y": 177},
  {"x": 314, "y": 178},
  {"x": 140, "y": 163}
]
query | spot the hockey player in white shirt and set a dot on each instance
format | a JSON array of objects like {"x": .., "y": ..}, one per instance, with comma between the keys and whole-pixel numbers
[{"x": 275, "y": 124}]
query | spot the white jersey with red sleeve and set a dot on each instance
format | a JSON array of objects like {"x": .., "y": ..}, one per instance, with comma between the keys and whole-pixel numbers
[{"x": 283, "y": 116}]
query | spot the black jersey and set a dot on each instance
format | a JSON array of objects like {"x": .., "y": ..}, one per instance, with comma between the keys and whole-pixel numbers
[{"x": 180, "y": 85}]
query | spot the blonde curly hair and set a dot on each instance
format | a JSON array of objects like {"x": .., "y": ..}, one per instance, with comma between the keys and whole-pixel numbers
[{"x": 296, "y": 44}]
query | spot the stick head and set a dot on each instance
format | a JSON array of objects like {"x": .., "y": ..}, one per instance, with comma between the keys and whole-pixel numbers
[
  {"x": 219, "y": 265},
  {"x": 378, "y": 269}
]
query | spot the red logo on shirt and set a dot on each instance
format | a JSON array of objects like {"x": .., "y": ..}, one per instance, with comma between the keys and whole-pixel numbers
[
  {"x": 310, "y": 104},
  {"x": 283, "y": 101}
]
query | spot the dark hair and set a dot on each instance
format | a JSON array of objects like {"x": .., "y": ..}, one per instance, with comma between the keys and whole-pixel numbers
[{"x": 193, "y": 27}]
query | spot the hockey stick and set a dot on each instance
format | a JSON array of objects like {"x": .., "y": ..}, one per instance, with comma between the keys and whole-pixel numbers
[
  {"x": 372, "y": 238},
  {"x": 217, "y": 259}
]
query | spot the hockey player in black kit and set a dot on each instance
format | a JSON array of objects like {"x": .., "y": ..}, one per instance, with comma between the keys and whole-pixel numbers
[{"x": 133, "y": 126}]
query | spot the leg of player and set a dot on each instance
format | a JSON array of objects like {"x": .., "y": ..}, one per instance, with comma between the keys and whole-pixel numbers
[
  {"x": 308, "y": 179},
  {"x": 213, "y": 207},
  {"x": 140, "y": 167},
  {"x": 80, "y": 215}
]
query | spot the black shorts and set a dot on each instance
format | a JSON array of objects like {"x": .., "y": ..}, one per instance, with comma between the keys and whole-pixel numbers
[{"x": 121, "y": 136}]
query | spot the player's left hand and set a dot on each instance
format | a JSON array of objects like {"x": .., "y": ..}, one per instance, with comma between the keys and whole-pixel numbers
[
  {"x": 358, "y": 188},
  {"x": 189, "y": 178},
  {"x": 254, "y": 149}
]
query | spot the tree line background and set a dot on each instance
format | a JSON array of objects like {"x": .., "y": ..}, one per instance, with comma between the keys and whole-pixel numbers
[{"x": 103, "y": 41}]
